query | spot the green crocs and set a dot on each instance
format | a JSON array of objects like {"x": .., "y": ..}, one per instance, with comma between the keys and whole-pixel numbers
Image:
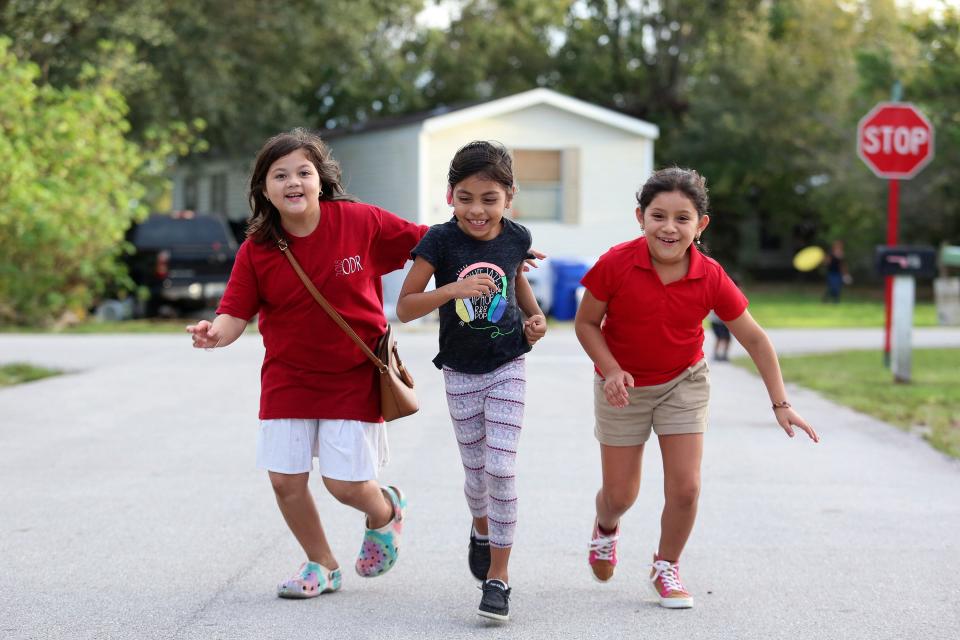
[
  {"x": 312, "y": 580},
  {"x": 380, "y": 547}
]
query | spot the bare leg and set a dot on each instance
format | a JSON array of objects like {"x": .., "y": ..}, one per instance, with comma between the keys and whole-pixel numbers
[
  {"x": 365, "y": 496},
  {"x": 300, "y": 512},
  {"x": 621, "y": 483},
  {"x": 499, "y": 557},
  {"x": 681, "y": 488},
  {"x": 480, "y": 526}
]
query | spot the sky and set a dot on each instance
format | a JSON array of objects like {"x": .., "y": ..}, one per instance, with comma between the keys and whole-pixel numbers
[{"x": 437, "y": 14}]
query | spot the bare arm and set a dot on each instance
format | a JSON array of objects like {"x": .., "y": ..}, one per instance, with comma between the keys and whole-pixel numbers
[
  {"x": 224, "y": 330},
  {"x": 587, "y": 325},
  {"x": 415, "y": 303},
  {"x": 535, "y": 326},
  {"x": 755, "y": 340}
]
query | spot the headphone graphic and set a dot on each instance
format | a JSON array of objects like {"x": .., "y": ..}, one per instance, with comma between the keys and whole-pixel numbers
[{"x": 469, "y": 308}]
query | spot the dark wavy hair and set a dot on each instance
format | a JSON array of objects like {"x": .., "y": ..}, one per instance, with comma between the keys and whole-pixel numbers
[
  {"x": 686, "y": 181},
  {"x": 490, "y": 160},
  {"x": 264, "y": 222}
]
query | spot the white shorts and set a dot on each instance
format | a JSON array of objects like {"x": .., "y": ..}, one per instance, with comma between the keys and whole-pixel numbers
[{"x": 344, "y": 449}]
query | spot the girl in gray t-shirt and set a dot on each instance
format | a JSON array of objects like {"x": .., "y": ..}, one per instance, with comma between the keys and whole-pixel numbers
[{"x": 477, "y": 261}]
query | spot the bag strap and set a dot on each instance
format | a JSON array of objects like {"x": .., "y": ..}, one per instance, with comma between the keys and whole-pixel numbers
[{"x": 282, "y": 244}]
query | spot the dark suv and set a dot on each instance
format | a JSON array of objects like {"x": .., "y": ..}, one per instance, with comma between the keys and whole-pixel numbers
[{"x": 183, "y": 259}]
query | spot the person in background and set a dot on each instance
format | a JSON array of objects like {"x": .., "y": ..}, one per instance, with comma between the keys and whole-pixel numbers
[{"x": 837, "y": 274}]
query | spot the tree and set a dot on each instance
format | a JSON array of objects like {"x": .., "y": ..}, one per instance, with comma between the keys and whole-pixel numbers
[
  {"x": 244, "y": 68},
  {"x": 490, "y": 49},
  {"x": 70, "y": 185},
  {"x": 931, "y": 203},
  {"x": 773, "y": 111}
]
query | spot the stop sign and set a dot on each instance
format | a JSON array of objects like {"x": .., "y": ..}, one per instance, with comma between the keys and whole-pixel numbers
[{"x": 895, "y": 140}]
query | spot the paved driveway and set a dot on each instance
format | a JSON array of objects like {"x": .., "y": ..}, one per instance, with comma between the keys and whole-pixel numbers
[{"x": 130, "y": 508}]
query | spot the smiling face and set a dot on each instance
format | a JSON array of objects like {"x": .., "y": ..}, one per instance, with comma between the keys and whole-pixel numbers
[
  {"x": 670, "y": 224},
  {"x": 293, "y": 187},
  {"x": 478, "y": 204}
]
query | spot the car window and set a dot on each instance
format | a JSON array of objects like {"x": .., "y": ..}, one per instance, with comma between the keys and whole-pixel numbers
[{"x": 161, "y": 231}]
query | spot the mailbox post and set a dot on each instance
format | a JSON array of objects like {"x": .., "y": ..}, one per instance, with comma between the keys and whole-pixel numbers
[{"x": 905, "y": 264}]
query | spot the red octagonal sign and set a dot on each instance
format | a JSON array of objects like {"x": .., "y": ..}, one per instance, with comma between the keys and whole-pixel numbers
[{"x": 895, "y": 140}]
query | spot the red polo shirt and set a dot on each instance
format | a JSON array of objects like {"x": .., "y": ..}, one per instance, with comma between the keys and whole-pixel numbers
[
  {"x": 311, "y": 368},
  {"x": 656, "y": 331}
]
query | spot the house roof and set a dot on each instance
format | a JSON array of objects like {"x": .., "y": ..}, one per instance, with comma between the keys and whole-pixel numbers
[{"x": 446, "y": 117}]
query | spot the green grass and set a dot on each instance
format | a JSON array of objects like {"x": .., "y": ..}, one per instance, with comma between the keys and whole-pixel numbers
[
  {"x": 18, "y": 372},
  {"x": 784, "y": 308},
  {"x": 858, "y": 379}
]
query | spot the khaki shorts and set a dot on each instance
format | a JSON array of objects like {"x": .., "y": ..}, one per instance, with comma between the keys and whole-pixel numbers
[{"x": 674, "y": 407}]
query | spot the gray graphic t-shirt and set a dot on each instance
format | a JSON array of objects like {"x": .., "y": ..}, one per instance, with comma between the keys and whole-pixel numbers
[{"x": 477, "y": 335}]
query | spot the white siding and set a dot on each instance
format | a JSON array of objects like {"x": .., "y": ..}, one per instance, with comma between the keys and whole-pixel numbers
[
  {"x": 380, "y": 167},
  {"x": 613, "y": 164},
  {"x": 238, "y": 182}
]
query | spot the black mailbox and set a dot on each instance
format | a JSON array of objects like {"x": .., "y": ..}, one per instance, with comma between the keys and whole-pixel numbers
[{"x": 907, "y": 261}]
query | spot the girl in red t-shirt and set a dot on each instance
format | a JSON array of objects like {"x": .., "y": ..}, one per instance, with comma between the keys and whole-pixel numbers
[
  {"x": 318, "y": 390},
  {"x": 641, "y": 322}
]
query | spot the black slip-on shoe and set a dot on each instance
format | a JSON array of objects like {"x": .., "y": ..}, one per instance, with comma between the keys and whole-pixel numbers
[
  {"x": 495, "y": 603},
  {"x": 478, "y": 557}
]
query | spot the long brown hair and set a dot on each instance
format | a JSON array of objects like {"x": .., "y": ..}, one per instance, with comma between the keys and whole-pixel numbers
[{"x": 264, "y": 222}]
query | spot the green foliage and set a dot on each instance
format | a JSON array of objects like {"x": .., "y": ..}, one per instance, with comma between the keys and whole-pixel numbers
[
  {"x": 245, "y": 68},
  {"x": 932, "y": 202},
  {"x": 70, "y": 185},
  {"x": 491, "y": 49},
  {"x": 763, "y": 97}
]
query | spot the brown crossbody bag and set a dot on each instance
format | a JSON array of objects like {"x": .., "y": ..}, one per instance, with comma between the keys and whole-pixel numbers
[{"x": 397, "y": 396}]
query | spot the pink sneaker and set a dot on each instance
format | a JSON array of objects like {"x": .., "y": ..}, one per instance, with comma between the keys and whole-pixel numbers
[
  {"x": 603, "y": 553},
  {"x": 665, "y": 579}
]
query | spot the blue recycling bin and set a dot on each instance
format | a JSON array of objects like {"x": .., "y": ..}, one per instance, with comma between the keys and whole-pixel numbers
[{"x": 566, "y": 280}]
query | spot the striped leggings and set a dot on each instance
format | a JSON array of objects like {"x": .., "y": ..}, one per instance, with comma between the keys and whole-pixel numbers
[{"x": 487, "y": 414}]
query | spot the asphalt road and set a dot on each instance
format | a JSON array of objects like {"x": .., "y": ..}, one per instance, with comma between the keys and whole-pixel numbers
[{"x": 130, "y": 508}]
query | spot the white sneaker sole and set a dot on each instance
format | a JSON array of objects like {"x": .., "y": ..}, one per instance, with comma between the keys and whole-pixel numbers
[
  {"x": 493, "y": 616},
  {"x": 672, "y": 603}
]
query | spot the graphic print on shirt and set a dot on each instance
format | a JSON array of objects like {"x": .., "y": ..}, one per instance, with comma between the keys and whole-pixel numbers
[
  {"x": 483, "y": 312},
  {"x": 347, "y": 266}
]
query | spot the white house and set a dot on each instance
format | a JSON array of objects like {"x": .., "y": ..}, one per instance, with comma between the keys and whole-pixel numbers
[{"x": 577, "y": 166}]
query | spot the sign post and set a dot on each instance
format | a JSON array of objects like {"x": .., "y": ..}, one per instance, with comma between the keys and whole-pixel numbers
[
  {"x": 902, "y": 265},
  {"x": 896, "y": 141}
]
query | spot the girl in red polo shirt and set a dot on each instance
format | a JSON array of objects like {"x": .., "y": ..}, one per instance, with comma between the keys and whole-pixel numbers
[
  {"x": 641, "y": 322},
  {"x": 318, "y": 390}
]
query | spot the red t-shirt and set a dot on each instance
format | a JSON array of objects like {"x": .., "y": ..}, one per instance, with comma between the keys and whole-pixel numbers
[
  {"x": 311, "y": 368},
  {"x": 656, "y": 331}
]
